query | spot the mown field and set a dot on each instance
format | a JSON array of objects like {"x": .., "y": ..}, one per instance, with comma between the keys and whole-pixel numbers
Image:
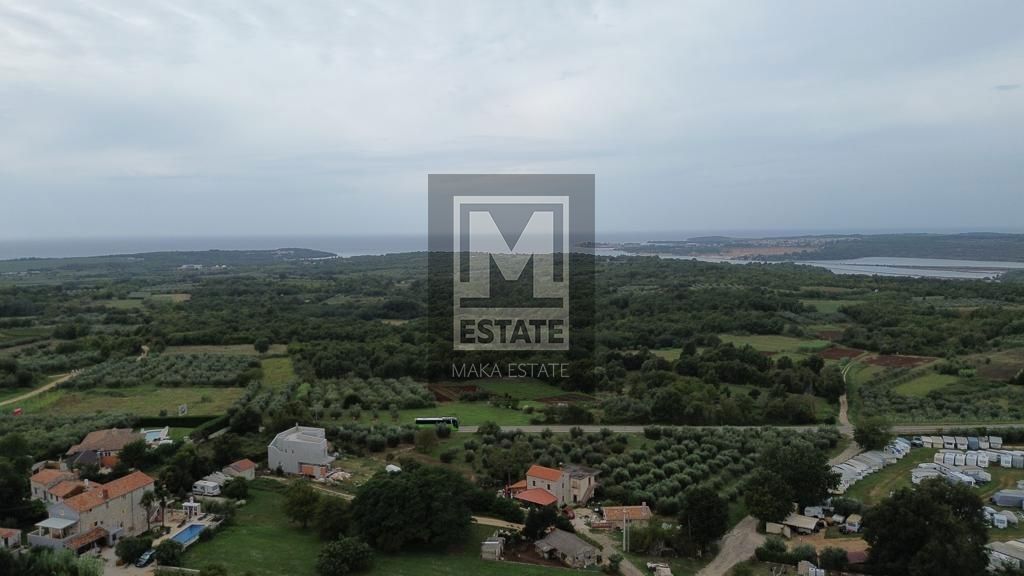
[
  {"x": 263, "y": 542},
  {"x": 139, "y": 400}
]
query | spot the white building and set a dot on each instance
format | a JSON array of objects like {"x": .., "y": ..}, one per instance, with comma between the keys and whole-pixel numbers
[{"x": 300, "y": 450}]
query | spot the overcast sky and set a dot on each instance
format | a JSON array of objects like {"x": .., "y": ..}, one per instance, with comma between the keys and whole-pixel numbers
[{"x": 136, "y": 118}]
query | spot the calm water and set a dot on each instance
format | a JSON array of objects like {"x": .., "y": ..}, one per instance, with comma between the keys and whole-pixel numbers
[{"x": 388, "y": 244}]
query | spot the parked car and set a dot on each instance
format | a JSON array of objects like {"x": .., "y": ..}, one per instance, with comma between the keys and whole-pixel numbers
[{"x": 146, "y": 558}]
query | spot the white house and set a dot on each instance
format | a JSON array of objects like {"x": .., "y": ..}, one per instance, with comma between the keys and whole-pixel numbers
[{"x": 300, "y": 450}]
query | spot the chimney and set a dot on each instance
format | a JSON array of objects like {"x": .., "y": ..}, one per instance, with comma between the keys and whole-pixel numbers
[{"x": 87, "y": 484}]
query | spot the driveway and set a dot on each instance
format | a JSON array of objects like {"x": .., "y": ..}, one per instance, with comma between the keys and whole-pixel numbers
[{"x": 737, "y": 546}]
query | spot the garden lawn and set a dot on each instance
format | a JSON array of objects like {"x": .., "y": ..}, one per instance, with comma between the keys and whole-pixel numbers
[
  {"x": 463, "y": 562},
  {"x": 261, "y": 541},
  {"x": 874, "y": 488},
  {"x": 277, "y": 371},
  {"x": 520, "y": 388},
  {"x": 830, "y": 306},
  {"x": 922, "y": 385},
  {"x": 139, "y": 400},
  {"x": 772, "y": 343}
]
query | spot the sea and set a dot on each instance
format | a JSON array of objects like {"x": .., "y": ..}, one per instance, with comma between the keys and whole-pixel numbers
[{"x": 373, "y": 245}]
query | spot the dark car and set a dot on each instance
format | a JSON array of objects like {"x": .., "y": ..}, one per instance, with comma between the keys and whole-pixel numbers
[{"x": 145, "y": 559}]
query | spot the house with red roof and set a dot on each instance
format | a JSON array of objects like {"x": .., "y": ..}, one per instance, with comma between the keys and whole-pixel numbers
[
  {"x": 571, "y": 485},
  {"x": 10, "y": 538},
  {"x": 244, "y": 468},
  {"x": 46, "y": 479},
  {"x": 96, "y": 514}
]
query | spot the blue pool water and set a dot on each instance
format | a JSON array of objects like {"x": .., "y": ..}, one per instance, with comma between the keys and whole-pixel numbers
[{"x": 188, "y": 534}]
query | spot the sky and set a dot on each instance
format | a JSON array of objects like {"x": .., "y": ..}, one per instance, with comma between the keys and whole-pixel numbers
[{"x": 222, "y": 118}]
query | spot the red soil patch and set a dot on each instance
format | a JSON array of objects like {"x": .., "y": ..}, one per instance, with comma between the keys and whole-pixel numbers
[
  {"x": 565, "y": 398},
  {"x": 451, "y": 392},
  {"x": 830, "y": 335},
  {"x": 899, "y": 361},
  {"x": 839, "y": 353}
]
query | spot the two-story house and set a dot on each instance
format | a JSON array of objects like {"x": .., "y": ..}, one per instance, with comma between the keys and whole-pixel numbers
[
  {"x": 572, "y": 485},
  {"x": 99, "y": 514},
  {"x": 101, "y": 447},
  {"x": 300, "y": 450}
]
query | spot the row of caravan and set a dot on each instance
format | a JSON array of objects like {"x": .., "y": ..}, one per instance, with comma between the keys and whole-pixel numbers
[
  {"x": 981, "y": 458},
  {"x": 968, "y": 475},
  {"x": 861, "y": 465},
  {"x": 962, "y": 442}
]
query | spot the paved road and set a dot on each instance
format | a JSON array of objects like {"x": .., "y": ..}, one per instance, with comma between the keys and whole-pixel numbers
[
  {"x": 845, "y": 429},
  {"x": 60, "y": 380}
]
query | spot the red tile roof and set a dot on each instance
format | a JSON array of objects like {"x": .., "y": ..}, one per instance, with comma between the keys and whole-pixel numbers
[
  {"x": 49, "y": 476},
  {"x": 544, "y": 473},
  {"x": 538, "y": 496},
  {"x": 111, "y": 440},
  {"x": 8, "y": 532},
  {"x": 85, "y": 539},
  {"x": 521, "y": 485},
  {"x": 100, "y": 493},
  {"x": 66, "y": 488},
  {"x": 243, "y": 465}
]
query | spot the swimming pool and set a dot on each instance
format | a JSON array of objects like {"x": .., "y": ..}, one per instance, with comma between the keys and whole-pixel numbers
[{"x": 188, "y": 534}]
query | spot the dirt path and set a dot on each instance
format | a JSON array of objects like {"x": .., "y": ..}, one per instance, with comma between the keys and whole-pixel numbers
[
  {"x": 626, "y": 567},
  {"x": 60, "y": 380},
  {"x": 737, "y": 546},
  {"x": 497, "y": 523}
]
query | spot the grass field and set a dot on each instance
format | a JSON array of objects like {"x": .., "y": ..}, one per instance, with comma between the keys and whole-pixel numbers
[
  {"x": 231, "y": 349},
  {"x": 461, "y": 562},
  {"x": 277, "y": 371},
  {"x": 141, "y": 400},
  {"x": 773, "y": 343},
  {"x": 170, "y": 298},
  {"x": 830, "y": 306},
  {"x": 263, "y": 543},
  {"x": 872, "y": 489},
  {"x": 922, "y": 385},
  {"x": 468, "y": 413},
  {"x": 520, "y": 389}
]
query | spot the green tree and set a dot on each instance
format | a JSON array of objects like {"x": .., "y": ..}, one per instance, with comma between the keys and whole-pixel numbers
[
  {"x": 343, "y": 557},
  {"x": 426, "y": 440},
  {"x": 333, "y": 518},
  {"x": 704, "y": 517},
  {"x": 422, "y": 505},
  {"x": 934, "y": 529},
  {"x": 169, "y": 553},
  {"x": 148, "y": 501},
  {"x": 128, "y": 550},
  {"x": 301, "y": 502},
  {"x": 237, "y": 488},
  {"x": 873, "y": 434},
  {"x": 767, "y": 497},
  {"x": 134, "y": 454},
  {"x": 261, "y": 345}
]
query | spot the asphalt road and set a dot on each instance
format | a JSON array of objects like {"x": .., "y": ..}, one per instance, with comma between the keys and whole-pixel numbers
[{"x": 632, "y": 429}]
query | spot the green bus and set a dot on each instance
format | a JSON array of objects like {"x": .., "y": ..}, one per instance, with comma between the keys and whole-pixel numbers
[{"x": 438, "y": 420}]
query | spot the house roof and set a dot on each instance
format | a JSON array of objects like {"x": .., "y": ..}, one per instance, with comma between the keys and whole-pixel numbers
[
  {"x": 89, "y": 537},
  {"x": 853, "y": 519},
  {"x": 56, "y": 523},
  {"x": 544, "y": 473},
  {"x": 577, "y": 471},
  {"x": 65, "y": 488},
  {"x": 300, "y": 434},
  {"x": 109, "y": 440},
  {"x": 631, "y": 513},
  {"x": 521, "y": 485},
  {"x": 100, "y": 493},
  {"x": 801, "y": 521},
  {"x": 8, "y": 532},
  {"x": 538, "y": 496},
  {"x": 243, "y": 465},
  {"x": 565, "y": 542},
  {"x": 50, "y": 476}
]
